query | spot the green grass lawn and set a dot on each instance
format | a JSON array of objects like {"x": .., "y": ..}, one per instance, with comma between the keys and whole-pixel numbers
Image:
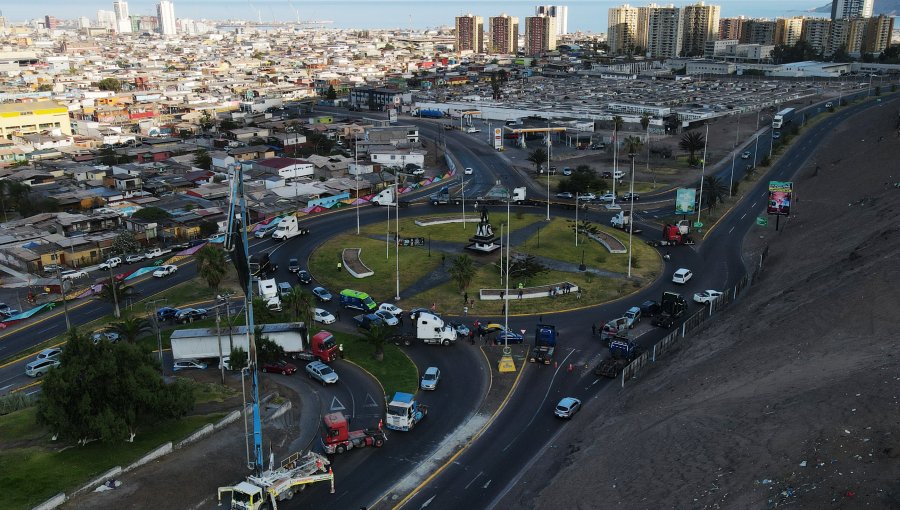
[
  {"x": 30, "y": 475},
  {"x": 395, "y": 373}
]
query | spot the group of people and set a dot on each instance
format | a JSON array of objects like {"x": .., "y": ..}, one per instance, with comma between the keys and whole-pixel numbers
[{"x": 555, "y": 291}]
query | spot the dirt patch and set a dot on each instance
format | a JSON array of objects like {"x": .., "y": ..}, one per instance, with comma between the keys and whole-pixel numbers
[{"x": 784, "y": 399}]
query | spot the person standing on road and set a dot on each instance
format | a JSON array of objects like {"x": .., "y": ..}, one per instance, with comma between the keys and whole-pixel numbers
[
  {"x": 465, "y": 298},
  {"x": 341, "y": 350},
  {"x": 593, "y": 329}
]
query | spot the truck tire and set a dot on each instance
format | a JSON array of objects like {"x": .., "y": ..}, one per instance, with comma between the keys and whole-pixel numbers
[
  {"x": 445, "y": 342},
  {"x": 379, "y": 442},
  {"x": 340, "y": 449},
  {"x": 407, "y": 341}
]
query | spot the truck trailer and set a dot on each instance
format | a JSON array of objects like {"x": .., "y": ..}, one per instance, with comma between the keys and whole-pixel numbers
[
  {"x": 500, "y": 194},
  {"x": 207, "y": 343}
]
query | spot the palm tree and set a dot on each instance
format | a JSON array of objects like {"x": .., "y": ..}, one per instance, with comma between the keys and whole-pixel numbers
[
  {"x": 537, "y": 157},
  {"x": 211, "y": 265},
  {"x": 131, "y": 328},
  {"x": 645, "y": 122},
  {"x": 618, "y": 122},
  {"x": 377, "y": 335},
  {"x": 462, "y": 270},
  {"x": 633, "y": 144},
  {"x": 116, "y": 291},
  {"x": 692, "y": 141},
  {"x": 299, "y": 304},
  {"x": 713, "y": 191}
]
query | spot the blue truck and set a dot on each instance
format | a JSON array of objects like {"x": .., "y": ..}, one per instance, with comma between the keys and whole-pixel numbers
[
  {"x": 431, "y": 114},
  {"x": 544, "y": 344},
  {"x": 404, "y": 412}
]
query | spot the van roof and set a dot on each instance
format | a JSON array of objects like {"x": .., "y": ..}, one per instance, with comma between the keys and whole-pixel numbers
[{"x": 354, "y": 293}]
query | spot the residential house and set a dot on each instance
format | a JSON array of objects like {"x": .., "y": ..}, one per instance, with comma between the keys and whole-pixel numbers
[
  {"x": 252, "y": 152},
  {"x": 287, "y": 168}
]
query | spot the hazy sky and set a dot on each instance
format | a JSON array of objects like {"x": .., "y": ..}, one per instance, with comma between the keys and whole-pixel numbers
[{"x": 586, "y": 15}]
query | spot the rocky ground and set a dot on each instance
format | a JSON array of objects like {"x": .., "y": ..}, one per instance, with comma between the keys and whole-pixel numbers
[{"x": 791, "y": 397}]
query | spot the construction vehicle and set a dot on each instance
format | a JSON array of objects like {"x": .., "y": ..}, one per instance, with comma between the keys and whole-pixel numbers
[
  {"x": 614, "y": 329},
  {"x": 672, "y": 307},
  {"x": 500, "y": 194},
  {"x": 261, "y": 265},
  {"x": 287, "y": 228},
  {"x": 404, "y": 412},
  {"x": 544, "y": 344},
  {"x": 622, "y": 221},
  {"x": 266, "y": 489},
  {"x": 675, "y": 234},
  {"x": 338, "y": 438}
]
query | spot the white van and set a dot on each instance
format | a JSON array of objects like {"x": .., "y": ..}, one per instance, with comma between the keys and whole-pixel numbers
[
  {"x": 473, "y": 130},
  {"x": 682, "y": 276}
]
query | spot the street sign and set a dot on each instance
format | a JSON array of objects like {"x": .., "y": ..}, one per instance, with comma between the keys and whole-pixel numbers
[
  {"x": 698, "y": 224},
  {"x": 762, "y": 221}
]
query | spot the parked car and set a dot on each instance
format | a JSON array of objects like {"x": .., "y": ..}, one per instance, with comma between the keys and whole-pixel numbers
[
  {"x": 649, "y": 308},
  {"x": 166, "y": 313},
  {"x": 188, "y": 363},
  {"x": 284, "y": 289},
  {"x": 51, "y": 268},
  {"x": 414, "y": 313},
  {"x": 38, "y": 368},
  {"x": 322, "y": 294},
  {"x": 565, "y": 194},
  {"x": 323, "y": 316},
  {"x": 10, "y": 312},
  {"x": 3, "y": 308},
  {"x": 280, "y": 367},
  {"x": 109, "y": 336},
  {"x": 682, "y": 275},
  {"x": 165, "y": 270},
  {"x": 567, "y": 407},
  {"x": 628, "y": 196},
  {"x": 606, "y": 197},
  {"x": 321, "y": 372},
  {"x": 587, "y": 196},
  {"x": 225, "y": 363},
  {"x": 190, "y": 315},
  {"x": 503, "y": 335},
  {"x": 430, "y": 378},
  {"x": 707, "y": 296},
  {"x": 632, "y": 316},
  {"x": 49, "y": 353},
  {"x": 293, "y": 265},
  {"x": 387, "y": 317},
  {"x": 598, "y": 146},
  {"x": 304, "y": 277},
  {"x": 73, "y": 274},
  {"x": 110, "y": 263},
  {"x": 461, "y": 329},
  {"x": 394, "y": 310},
  {"x": 746, "y": 155},
  {"x": 468, "y": 171},
  {"x": 567, "y": 171},
  {"x": 134, "y": 257}
]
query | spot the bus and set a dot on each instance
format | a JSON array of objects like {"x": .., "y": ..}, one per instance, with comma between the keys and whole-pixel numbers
[{"x": 782, "y": 118}]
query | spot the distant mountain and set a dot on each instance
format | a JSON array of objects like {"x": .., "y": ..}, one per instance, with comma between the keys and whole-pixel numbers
[{"x": 889, "y": 7}]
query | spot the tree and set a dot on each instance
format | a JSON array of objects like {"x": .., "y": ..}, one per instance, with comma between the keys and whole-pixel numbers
[
  {"x": 125, "y": 243},
  {"x": 109, "y": 84},
  {"x": 151, "y": 214},
  {"x": 211, "y": 265},
  {"x": 692, "y": 141},
  {"x": 208, "y": 228},
  {"x": 377, "y": 336},
  {"x": 202, "y": 159},
  {"x": 462, "y": 270},
  {"x": 108, "y": 392},
  {"x": 714, "y": 191},
  {"x": 299, "y": 305},
  {"x": 633, "y": 144},
  {"x": 238, "y": 358},
  {"x": 537, "y": 156},
  {"x": 131, "y": 328},
  {"x": 331, "y": 94},
  {"x": 45, "y": 87},
  {"x": 207, "y": 122},
  {"x": 618, "y": 122},
  {"x": 584, "y": 178},
  {"x": 116, "y": 291},
  {"x": 645, "y": 122},
  {"x": 267, "y": 351}
]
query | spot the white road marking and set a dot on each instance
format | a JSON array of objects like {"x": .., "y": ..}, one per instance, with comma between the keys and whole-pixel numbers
[
  {"x": 473, "y": 480},
  {"x": 729, "y": 230},
  {"x": 428, "y": 502},
  {"x": 336, "y": 404},
  {"x": 744, "y": 215},
  {"x": 485, "y": 486},
  {"x": 5, "y": 387},
  {"x": 370, "y": 402}
]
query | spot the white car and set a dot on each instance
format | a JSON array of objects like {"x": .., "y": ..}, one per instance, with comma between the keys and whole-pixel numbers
[
  {"x": 323, "y": 316},
  {"x": 468, "y": 170},
  {"x": 430, "y": 378},
  {"x": 746, "y": 155},
  {"x": 110, "y": 263},
  {"x": 607, "y": 197},
  {"x": 682, "y": 276},
  {"x": 188, "y": 363},
  {"x": 587, "y": 196},
  {"x": 50, "y": 353},
  {"x": 131, "y": 259},
  {"x": 387, "y": 317},
  {"x": 73, "y": 275},
  {"x": 707, "y": 296},
  {"x": 165, "y": 270},
  {"x": 393, "y": 310}
]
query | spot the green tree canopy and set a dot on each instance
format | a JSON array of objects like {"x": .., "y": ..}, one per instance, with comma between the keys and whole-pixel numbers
[
  {"x": 211, "y": 264},
  {"x": 131, "y": 328},
  {"x": 208, "y": 228},
  {"x": 377, "y": 335},
  {"x": 108, "y": 392},
  {"x": 202, "y": 159},
  {"x": 462, "y": 271},
  {"x": 583, "y": 179},
  {"x": 110, "y": 84},
  {"x": 537, "y": 156},
  {"x": 151, "y": 214},
  {"x": 331, "y": 94},
  {"x": 125, "y": 243},
  {"x": 692, "y": 141}
]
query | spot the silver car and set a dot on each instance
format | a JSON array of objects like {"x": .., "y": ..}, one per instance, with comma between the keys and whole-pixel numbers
[
  {"x": 321, "y": 372},
  {"x": 430, "y": 378},
  {"x": 38, "y": 368}
]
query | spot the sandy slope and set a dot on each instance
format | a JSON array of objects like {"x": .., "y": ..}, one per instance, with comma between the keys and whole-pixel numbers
[{"x": 791, "y": 397}]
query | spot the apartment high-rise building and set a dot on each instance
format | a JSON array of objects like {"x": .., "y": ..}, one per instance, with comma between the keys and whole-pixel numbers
[
  {"x": 51, "y": 22},
  {"x": 849, "y": 9},
  {"x": 788, "y": 30},
  {"x": 559, "y": 12},
  {"x": 470, "y": 33},
  {"x": 642, "y": 34},
  {"x": 504, "y": 34},
  {"x": 664, "y": 35},
  {"x": 622, "y": 30},
  {"x": 540, "y": 34},
  {"x": 123, "y": 20},
  {"x": 817, "y": 33},
  {"x": 701, "y": 24},
  {"x": 106, "y": 19},
  {"x": 731, "y": 28},
  {"x": 165, "y": 11},
  {"x": 856, "y": 34},
  {"x": 758, "y": 31},
  {"x": 878, "y": 34}
]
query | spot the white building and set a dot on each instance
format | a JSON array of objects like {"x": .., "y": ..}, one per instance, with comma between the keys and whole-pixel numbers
[
  {"x": 848, "y": 9},
  {"x": 123, "y": 21},
  {"x": 165, "y": 11},
  {"x": 560, "y": 12},
  {"x": 106, "y": 19},
  {"x": 398, "y": 158}
]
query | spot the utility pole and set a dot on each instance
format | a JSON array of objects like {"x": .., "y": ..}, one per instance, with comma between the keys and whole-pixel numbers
[
  {"x": 112, "y": 286},
  {"x": 149, "y": 307},
  {"x": 549, "y": 146},
  {"x": 219, "y": 343},
  {"x": 631, "y": 216},
  {"x": 62, "y": 289},
  {"x": 702, "y": 172}
]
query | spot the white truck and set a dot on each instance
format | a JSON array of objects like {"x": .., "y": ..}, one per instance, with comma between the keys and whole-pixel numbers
[
  {"x": 500, "y": 194},
  {"x": 622, "y": 221},
  {"x": 287, "y": 228},
  {"x": 385, "y": 197},
  {"x": 268, "y": 291},
  {"x": 156, "y": 252},
  {"x": 279, "y": 484},
  {"x": 431, "y": 329},
  {"x": 203, "y": 343}
]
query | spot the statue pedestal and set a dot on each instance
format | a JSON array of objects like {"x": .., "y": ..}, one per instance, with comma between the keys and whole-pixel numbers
[{"x": 484, "y": 240}]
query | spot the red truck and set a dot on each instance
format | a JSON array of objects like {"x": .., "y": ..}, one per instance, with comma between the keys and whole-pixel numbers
[
  {"x": 338, "y": 438},
  {"x": 321, "y": 347},
  {"x": 675, "y": 234}
]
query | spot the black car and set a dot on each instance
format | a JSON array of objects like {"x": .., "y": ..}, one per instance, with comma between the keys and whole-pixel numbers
[
  {"x": 166, "y": 313},
  {"x": 627, "y": 196},
  {"x": 293, "y": 265},
  {"x": 649, "y": 308},
  {"x": 191, "y": 315},
  {"x": 304, "y": 277}
]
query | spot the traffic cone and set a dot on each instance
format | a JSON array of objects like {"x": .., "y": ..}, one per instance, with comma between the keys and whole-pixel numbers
[
  {"x": 555, "y": 364},
  {"x": 571, "y": 367}
]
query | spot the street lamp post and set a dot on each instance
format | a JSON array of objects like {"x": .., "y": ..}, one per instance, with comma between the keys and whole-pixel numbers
[
  {"x": 737, "y": 138},
  {"x": 702, "y": 173},
  {"x": 463, "y": 180},
  {"x": 149, "y": 308},
  {"x": 630, "y": 214},
  {"x": 112, "y": 286},
  {"x": 397, "y": 245},
  {"x": 549, "y": 146},
  {"x": 62, "y": 290},
  {"x": 356, "y": 170},
  {"x": 756, "y": 151},
  {"x": 576, "y": 219}
]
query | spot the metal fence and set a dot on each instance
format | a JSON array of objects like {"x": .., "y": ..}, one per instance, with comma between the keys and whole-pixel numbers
[{"x": 694, "y": 321}]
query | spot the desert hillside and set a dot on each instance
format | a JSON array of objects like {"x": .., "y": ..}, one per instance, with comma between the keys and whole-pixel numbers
[{"x": 790, "y": 397}]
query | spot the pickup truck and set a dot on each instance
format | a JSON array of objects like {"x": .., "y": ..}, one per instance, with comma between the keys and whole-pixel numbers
[
  {"x": 110, "y": 263},
  {"x": 368, "y": 320},
  {"x": 156, "y": 252}
]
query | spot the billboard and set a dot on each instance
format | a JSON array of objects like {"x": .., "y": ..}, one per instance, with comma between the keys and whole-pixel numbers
[
  {"x": 780, "y": 198},
  {"x": 498, "y": 138},
  {"x": 685, "y": 198},
  {"x": 392, "y": 113}
]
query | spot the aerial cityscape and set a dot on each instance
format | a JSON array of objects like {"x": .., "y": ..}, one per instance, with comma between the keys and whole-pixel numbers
[{"x": 588, "y": 255}]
